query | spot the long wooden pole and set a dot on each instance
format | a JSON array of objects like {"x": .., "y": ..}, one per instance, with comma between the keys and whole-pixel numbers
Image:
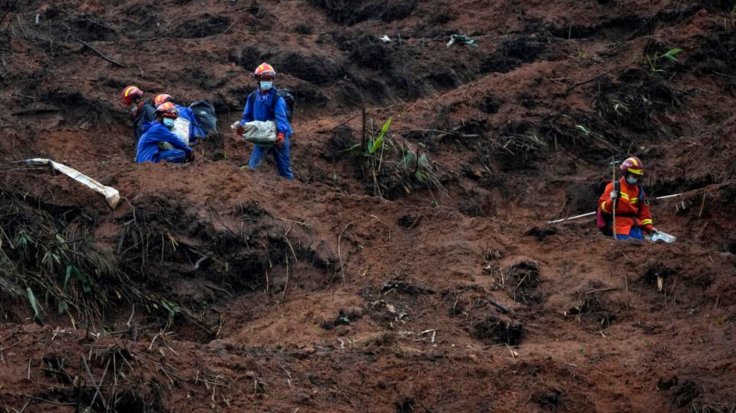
[
  {"x": 613, "y": 207},
  {"x": 589, "y": 214}
]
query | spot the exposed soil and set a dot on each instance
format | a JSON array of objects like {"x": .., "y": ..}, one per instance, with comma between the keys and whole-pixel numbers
[{"x": 421, "y": 278}]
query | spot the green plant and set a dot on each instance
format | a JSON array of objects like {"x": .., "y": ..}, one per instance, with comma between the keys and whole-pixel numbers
[
  {"x": 35, "y": 305},
  {"x": 391, "y": 167},
  {"x": 652, "y": 60}
]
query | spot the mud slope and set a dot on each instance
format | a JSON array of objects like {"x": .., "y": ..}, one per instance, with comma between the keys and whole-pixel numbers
[{"x": 419, "y": 278}]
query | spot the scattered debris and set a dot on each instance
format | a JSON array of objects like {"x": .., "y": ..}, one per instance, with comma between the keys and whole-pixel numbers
[
  {"x": 463, "y": 39},
  {"x": 385, "y": 39},
  {"x": 399, "y": 285},
  {"x": 541, "y": 233},
  {"x": 344, "y": 317},
  {"x": 498, "y": 331}
]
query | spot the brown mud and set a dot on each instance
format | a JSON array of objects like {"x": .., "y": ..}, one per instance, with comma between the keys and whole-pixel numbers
[{"x": 421, "y": 279}]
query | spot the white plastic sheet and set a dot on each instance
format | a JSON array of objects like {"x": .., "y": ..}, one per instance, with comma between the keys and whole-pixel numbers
[{"x": 112, "y": 196}]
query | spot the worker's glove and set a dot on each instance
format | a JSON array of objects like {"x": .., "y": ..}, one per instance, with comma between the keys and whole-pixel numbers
[
  {"x": 280, "y": 139},
  {"x": 614, "y": 194},
  {"x": 238, "y": 128}
]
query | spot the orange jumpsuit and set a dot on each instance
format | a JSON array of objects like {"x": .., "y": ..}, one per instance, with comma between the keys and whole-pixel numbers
[{"x": 631, "y": 212}]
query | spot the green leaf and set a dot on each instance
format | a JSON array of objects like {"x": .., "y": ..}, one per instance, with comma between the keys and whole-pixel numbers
[
  {"x": 35, "y": 305},
  {"x": 376, "y": 145},
  {"x": 671, "y": 54}
]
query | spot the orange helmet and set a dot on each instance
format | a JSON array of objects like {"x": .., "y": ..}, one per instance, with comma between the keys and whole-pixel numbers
[
  {"x": 633, "y": 165},
  {"x": 161, "y": 99},
  {"x": 167, "y": 110},
  {"x": 129, "y": 94},
  {"x": 264, "y": 69}
]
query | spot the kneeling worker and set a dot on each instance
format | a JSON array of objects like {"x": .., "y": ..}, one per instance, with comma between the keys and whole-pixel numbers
[
  {"x": 632, "y": 216},
  {"x": 159, "y": 143}
]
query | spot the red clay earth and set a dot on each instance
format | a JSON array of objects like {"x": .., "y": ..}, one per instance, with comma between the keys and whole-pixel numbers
[{"x": 360, "y": 287}]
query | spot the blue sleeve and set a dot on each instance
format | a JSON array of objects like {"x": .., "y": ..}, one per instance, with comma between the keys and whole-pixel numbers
[
  {"x": 168, "y": 136},
  {"x": 247, "y": 111},
  {"x": 282, "y": 122}
]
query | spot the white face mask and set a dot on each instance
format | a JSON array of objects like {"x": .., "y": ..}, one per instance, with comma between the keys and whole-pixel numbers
[
  {"x": 631, "y": 179},
  {"x": 266, "y": 85},
  {"x": 169, "y": 123}
]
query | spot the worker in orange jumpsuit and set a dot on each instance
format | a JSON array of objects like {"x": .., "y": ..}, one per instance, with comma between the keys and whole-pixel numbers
[{"x": 633, "y": 218}]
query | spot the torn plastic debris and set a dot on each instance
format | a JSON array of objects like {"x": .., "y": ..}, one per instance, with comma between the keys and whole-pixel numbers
[
  {"x": 112, "y": 196},
  {"x": 385, "y": 39},
  {"x": 660, "y": 236},
  {"x": 461, "y": 38}
]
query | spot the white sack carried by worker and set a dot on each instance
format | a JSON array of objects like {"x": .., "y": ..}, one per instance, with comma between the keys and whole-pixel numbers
[
  {"x": 112, "y": 196},
  {"x": 260, "y": 132}
]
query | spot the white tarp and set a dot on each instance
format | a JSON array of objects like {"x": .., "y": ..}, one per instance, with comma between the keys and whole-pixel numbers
[
  {"x": 112, "y": 196},
  {"x": 181, "y": 129}
]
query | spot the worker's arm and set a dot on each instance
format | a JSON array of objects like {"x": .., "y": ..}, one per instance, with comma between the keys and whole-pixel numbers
[
  {"x": 248, "y": 109},
  {"x": 645, "y": 217},
  {"x": 175, "y": 141},
  {"x": 282, "y": 121}
]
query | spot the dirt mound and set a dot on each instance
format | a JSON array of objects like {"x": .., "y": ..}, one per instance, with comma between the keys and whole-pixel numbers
[{"x": 409, "y": 266}]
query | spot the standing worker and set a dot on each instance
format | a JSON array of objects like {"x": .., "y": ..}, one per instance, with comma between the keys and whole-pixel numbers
[
  {"x": 265, "y": 104},
  {"x": 141, "y": 112},
  {"x": 633, "y": 219},
  {"x": 159, "y": 143}
]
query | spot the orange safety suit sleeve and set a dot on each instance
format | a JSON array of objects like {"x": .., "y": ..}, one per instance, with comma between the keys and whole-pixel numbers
[
  {"x": 623, "y": 202},
  {"x": 645, "y": 216}
]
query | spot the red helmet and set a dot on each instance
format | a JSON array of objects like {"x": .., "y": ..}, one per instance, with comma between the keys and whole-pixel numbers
[
  {"x": 264, "y": 69},
  {"x": 161, "y": 99},
  {"x": 129, "y": 94},
  {"x": 167, "y": 110},
  {"x": 633, "y": 165}
]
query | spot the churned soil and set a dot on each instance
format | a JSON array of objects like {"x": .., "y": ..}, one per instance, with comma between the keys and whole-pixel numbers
[{"x": 366, "y": 285}]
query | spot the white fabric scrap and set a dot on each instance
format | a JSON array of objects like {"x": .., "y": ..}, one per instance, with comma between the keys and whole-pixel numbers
[{"x": 112, "y": 196}]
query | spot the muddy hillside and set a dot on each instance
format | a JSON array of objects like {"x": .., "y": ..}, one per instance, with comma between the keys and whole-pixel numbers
[{"x": 409, "y": 265}]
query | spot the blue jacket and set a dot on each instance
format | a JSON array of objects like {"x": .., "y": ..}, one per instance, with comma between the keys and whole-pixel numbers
[
  {"x": 263, "y": 108},
  {"x": 147, "y": 114},
  {"x": 195, "y": 130},
  {"x": 155, "y": 133}
]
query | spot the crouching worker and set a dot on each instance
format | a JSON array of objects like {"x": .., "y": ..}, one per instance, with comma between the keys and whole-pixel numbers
[
  {"x": 632, "y": 216},
  {"x": 159, "y": 143},
  {"x": 265, "y": 104},
  {"x": 187, "y": 126},
  {"x": 141, "y": 112}
]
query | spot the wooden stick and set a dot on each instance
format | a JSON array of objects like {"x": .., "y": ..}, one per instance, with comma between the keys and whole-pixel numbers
[
  {"x": 102, "y": 55},
  {"x": 339, "y": 254},
  {"x": 589, "y": 80}
]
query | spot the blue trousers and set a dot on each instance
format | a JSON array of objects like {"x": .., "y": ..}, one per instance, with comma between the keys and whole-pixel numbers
[
  {"x": 282, "y": 156},
  {"x": 172, "y": 155},
  {"x": 635, "y": 233}
]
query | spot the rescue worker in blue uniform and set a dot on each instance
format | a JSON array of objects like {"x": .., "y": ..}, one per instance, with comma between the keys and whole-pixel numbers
[
  {"x": 195, "y": 130},
  {"x": 264, "y": 104},
  {"x": 141, "y": 112},
  {"x": 158, "y": 143}
]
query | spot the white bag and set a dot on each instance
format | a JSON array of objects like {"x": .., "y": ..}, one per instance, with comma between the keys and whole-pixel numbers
[
  {"x": 260, "y": 132},
  {"x": 181, "y": 129}
]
